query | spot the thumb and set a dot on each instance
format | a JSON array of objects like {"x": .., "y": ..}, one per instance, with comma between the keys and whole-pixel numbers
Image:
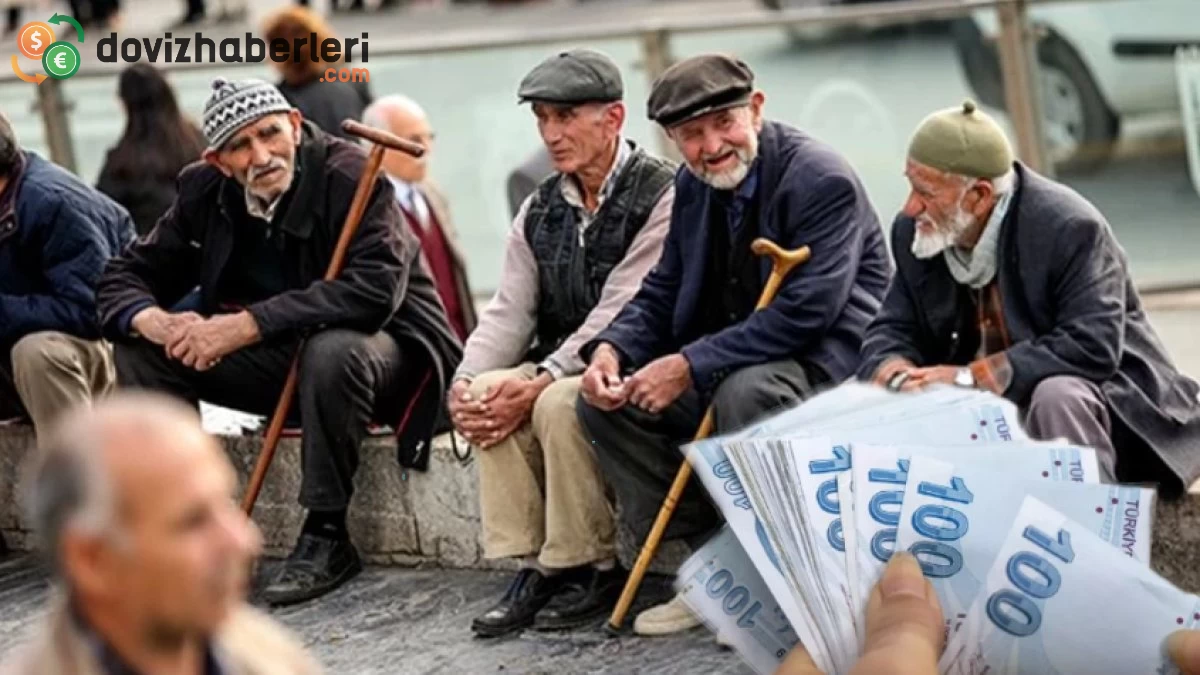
[
  {"x": 1184, "y": 647},
  {"x": 798, "y": 662},
  {"x": 905, "y": 627}
]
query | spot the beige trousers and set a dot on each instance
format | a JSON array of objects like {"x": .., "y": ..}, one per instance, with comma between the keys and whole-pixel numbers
[
  {"x": 53, "y": 372},
  {"x": 541, "y": 491}
]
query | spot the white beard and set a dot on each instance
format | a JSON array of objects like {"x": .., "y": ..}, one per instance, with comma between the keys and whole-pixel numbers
[
  {"x": 730, "y": 178},
  {"x": 926, "y": 246}
]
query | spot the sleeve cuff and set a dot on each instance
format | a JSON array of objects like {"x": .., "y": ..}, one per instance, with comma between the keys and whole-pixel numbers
[
  {"x": 993, "y": 373},
  {"x": 549, "y": 366},
  {"x": 889, "y": 367},
  {"x": 125, "y": 320}
]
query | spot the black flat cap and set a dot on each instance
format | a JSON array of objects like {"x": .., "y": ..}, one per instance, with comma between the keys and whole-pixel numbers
[
  {"x": 573, "y": 77},
  {"x": 698, "y": 86}
]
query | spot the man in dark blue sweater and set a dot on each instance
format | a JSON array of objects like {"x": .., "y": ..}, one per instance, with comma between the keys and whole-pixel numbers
[
  {"x": 690, "y": 336},
  {"x": 55, "y": 235}
]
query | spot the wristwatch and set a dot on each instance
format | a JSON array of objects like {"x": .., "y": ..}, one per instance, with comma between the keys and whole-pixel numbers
[{"x": 963, "y": 377}]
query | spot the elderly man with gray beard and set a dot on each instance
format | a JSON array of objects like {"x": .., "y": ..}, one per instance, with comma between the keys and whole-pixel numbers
[
  {"x": 690, "y": 336},
  {"x": 1010, "y": 282},
  {"x": 254, "y": 227}
]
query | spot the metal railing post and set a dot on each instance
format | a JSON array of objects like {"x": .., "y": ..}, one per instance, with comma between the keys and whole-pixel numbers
[
  {"x": 54, "y": 108},
  {"x": 1022, "y": 85},
  {"x": 656, "y": 58}
]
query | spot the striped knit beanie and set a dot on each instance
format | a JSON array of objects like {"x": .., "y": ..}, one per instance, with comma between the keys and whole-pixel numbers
[{"x": 232, "y": 105}]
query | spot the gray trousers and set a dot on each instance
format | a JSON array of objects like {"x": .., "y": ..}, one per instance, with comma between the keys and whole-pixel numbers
[
  {"x": 639, "y": 452},
  {"x": 1073, "y": 409},
  {"x": 345, "y": 377}
]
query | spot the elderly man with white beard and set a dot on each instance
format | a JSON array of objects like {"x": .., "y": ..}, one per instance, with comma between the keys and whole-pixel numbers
[
  {"x": 690, "y": 336},
  {"x": 1010, "y": 282}
]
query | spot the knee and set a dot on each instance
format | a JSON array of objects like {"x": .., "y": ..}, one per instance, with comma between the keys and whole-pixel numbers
[
  {"x": 557, "y": 404},
  {"x": 484, "y": 381},
  {"x": 331, "y": 355},
  {"x": 745, "y": 395},
  {"x": 37, "y": 353},
  {"x": 1061, "y": 392}
]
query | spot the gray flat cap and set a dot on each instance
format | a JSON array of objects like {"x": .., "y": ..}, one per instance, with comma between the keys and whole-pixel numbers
[
  {"x": 698, "y": 86},
  {"x": 573, "y": 77}
]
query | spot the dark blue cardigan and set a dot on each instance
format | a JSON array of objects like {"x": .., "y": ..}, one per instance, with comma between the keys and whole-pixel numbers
[{"x": 807, "y": 195}]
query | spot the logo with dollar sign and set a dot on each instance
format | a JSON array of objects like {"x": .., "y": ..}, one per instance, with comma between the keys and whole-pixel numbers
[{"x": 36, "y": 40}]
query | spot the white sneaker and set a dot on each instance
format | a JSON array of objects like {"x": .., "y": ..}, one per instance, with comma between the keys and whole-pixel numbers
[{"x": 665, "y": 619}]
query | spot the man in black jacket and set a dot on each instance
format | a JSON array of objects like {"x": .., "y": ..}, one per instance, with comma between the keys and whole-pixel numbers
[
  {"x": 1010, "y": 282},
  {"x": 254, "y": 227}
]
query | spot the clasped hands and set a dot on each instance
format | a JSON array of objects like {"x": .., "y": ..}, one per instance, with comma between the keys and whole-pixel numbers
[
  {"x": 193, "y": 340},
  {"x": 652, "y": 388}
]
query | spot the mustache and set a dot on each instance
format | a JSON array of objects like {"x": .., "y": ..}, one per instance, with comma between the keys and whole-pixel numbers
[{"x": 256, "y": 171}]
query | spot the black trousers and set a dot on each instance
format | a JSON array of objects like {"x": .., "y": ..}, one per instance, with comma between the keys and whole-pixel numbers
[
  {"x": 639, "y": 452},
  {"x": 10, "y": 402},
  {"x": 346, "y": 377}
]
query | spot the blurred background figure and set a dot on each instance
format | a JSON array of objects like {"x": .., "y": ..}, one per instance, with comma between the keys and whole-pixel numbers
[
  {"x": 139, "y": 171},
  {"x": 525, "y": 178},
  {"x": 424, "y": 206},
  {"x": 135, "y": 508},
  {"x": 325, "y": 103}
]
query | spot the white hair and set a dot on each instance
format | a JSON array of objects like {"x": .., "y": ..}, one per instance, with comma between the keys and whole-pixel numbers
[
  {"x": 379, "y": 112},
  {"x": 70, "y": 486}
]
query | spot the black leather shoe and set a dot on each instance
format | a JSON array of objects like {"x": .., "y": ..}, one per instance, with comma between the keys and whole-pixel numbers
[
  {"x": 588, "y": 596},
  {"x": 316, "y": 566},
  {"x": 528, "y": 593}
]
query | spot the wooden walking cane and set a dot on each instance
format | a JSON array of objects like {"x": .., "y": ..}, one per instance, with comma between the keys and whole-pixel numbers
[
  {"x": 382, "y": 141},
  {"x": 782, "y": 263}
]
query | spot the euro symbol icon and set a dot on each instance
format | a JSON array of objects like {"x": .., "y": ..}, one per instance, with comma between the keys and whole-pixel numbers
[
  {"x": 35, "y": 38},
  {"x": 60, "y": 60}
]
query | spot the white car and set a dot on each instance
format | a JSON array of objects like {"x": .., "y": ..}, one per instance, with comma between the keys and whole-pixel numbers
[{"x": 1100, "y": 61}]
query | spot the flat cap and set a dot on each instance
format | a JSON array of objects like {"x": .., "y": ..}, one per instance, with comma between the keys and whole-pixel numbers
[
  {"x": 964, "y": 141},
  {"x": 574, "y": 76},
  {"x": 698, "y": 86}
]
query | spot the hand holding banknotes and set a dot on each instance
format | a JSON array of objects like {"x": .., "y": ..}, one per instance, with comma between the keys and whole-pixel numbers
[
  {"x": 904, "y": 627},
  {"x": 905, "y": 630}
]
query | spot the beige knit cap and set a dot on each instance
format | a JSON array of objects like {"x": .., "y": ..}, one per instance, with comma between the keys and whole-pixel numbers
[{"x": 963, "y": 141}]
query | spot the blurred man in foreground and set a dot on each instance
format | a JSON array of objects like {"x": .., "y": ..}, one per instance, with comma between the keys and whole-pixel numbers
[
  {"x": 425, "y": 209},
  {"x": 1011, "y": 282},
  {"x": 135, "y": 507}
]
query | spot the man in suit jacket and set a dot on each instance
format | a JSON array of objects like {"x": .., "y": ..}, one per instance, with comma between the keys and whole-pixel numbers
[
  {"x": 135, "y": 506},
  {"x": 690, "y": 336},
  {"x": 1010, "y": 282},
  {"x": 425, "y": 208}
]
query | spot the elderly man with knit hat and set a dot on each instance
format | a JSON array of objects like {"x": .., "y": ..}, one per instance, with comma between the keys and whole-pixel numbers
[
  {"x": 690, "y": 336},
  {"x": 254, "y": 227},
  {"x": 1010, "y": 282}
]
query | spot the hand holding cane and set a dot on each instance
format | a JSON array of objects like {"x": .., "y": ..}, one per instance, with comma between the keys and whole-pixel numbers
[
  {"x": 782, "y": 263},
  {"x": 382, "y": 142}
]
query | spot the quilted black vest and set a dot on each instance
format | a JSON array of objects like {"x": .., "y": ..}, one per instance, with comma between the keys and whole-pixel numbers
[{"x": 572, "y": 269}]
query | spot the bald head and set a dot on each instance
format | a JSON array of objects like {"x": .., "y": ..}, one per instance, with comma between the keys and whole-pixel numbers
[
  {"x": 134, "y": 504},
  {"x": 404, "y": 117}
]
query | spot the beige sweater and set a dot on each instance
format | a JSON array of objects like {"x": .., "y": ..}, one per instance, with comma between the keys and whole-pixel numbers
[{"x": 508, "y": 325}]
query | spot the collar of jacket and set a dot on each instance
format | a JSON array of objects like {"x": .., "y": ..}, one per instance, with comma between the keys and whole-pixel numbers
[
  {"x": 8, "y": 198},
  {"x": 305, "y": 200}
]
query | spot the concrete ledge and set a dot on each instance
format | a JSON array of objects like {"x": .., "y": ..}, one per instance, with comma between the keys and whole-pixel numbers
[
  {"x": 397, "y": 517},
  {"x": 410, "y": 518}
]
